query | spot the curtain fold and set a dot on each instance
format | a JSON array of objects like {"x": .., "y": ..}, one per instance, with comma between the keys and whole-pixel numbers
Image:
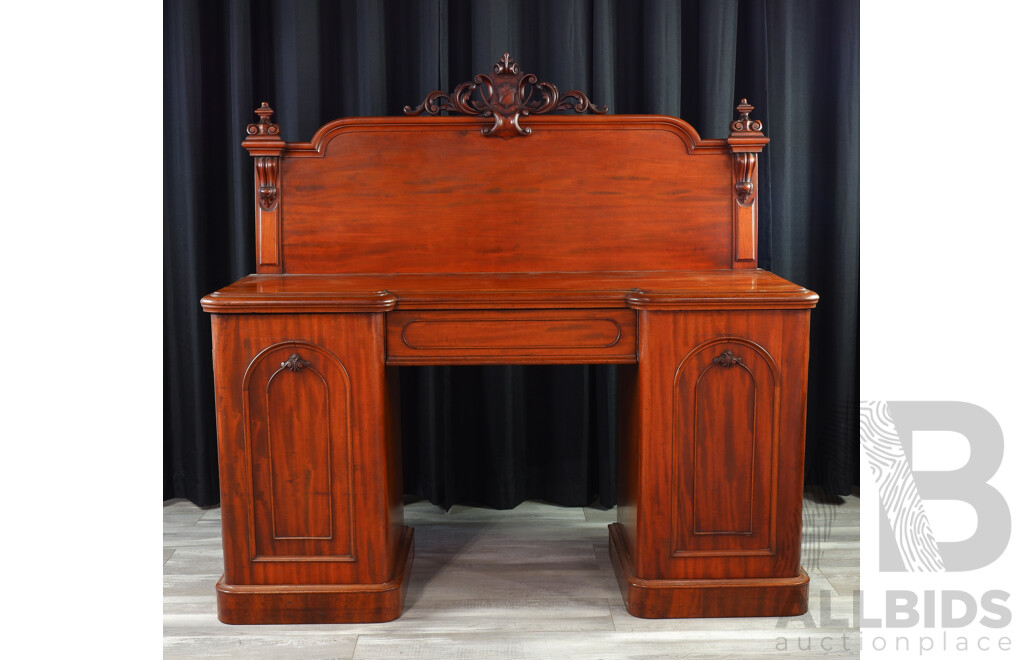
[{"x": 499, "y": 435}]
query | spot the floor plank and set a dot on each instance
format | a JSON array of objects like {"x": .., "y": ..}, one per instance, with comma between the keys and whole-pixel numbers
[{"x": 260, "y": 647}]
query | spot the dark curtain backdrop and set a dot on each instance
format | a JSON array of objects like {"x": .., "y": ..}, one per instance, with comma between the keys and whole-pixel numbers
[{"x": 499, "y": 435}]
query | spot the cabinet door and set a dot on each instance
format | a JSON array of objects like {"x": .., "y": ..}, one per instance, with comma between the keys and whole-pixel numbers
[
  {"x": 725, "y": 443},
  {"x": 296, "y": 398}
]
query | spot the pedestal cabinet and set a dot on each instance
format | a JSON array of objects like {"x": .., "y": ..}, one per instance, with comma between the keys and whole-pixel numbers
[
  {"x": 310, "y": 469},
  {"x": 710, "y": 482}
]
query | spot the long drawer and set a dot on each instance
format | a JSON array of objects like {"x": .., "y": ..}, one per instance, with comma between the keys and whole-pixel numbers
[{"x": 511, "y": 336}]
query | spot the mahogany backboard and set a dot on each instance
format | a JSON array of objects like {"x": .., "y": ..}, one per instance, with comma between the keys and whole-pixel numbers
[{"x": 433, "y": 195}]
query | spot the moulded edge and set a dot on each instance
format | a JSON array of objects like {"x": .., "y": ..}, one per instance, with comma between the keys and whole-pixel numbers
[
  {"x": 377, "y": 301},
  {"x": 317, "y": 145}
]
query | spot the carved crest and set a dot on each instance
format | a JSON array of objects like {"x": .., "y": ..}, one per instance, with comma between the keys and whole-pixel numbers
[{"x": 506, "y": 95}]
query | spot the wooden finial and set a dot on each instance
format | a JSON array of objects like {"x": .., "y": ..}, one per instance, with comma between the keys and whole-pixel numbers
[
  {"x": 264, "y": 127},
  {"x": 744, "y": 125}
]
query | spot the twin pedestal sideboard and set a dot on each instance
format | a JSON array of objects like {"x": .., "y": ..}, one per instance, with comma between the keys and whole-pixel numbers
[{"x": 509, "y": 236}]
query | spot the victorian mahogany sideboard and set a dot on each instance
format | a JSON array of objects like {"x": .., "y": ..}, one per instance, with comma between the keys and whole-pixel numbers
[{"x": 508, "y": 237}]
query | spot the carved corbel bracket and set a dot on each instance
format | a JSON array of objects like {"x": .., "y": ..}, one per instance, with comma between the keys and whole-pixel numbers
[
  {"x": 746, "y": 140},
  {"x": 266, "y": 181},
  {"x": 506, "y": 95},
  {"x": 744, "y": 164}
]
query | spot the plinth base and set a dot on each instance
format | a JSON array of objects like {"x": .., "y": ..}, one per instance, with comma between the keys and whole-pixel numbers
[
  {"x": 319, "y": 603},
  {"x": 675, "y": 599}
]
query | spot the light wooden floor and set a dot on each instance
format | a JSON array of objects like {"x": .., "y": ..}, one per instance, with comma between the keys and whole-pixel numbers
[{"x": 533, "y": 582}]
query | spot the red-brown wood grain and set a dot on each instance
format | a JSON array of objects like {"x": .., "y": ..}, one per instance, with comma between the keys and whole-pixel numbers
[{"x": 297, "y": 402}]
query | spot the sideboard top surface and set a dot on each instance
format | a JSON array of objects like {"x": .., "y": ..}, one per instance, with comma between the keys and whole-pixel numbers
[{"x": 608, "y": 289}]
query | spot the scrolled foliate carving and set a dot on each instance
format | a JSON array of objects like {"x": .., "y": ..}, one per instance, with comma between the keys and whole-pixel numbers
[
  {"x": 727, "y": 359},
  {"x": 506, "y": 95},
  {"x": 294, "y": 363}
]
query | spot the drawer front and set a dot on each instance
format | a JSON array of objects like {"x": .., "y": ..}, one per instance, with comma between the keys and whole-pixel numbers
[{"x": 512, "y": 336}]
